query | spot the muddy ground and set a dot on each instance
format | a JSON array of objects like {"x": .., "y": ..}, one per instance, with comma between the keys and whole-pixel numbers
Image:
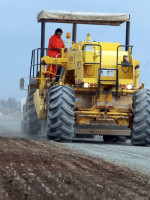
[{"x": 31, "y": 169}]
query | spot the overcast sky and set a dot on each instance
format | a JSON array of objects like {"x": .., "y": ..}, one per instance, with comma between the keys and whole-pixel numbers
[{"x": 20, "y": 33}]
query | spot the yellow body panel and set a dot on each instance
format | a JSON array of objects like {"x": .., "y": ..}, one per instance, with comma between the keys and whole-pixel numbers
[
  {"x": 83, "y": 61},
  {"x": 54, "y": 61},
  {"x": 40, "y": 105},
  {"x": 82, "y": 64}
]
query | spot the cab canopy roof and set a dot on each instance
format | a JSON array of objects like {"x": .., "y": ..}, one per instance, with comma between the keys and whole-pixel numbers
[{"x": 83, "y": 17}]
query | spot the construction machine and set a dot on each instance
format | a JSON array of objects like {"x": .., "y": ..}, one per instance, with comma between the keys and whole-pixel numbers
[{"x": 97, "y": 91}]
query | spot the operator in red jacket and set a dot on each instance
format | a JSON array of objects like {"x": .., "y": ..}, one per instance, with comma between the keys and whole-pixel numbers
[{"x": 55, "y": 42}]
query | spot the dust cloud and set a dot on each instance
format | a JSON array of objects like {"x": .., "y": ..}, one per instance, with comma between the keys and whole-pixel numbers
[{"x": 10, "y": 125}]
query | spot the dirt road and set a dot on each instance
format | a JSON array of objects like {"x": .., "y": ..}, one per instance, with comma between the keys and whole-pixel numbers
[{"x": 46, "y": 170}]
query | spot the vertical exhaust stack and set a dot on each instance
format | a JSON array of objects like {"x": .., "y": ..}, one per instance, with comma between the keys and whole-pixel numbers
[
  {"x": 74, "y": 33},
  {"x": 127, "y": 35},
  {"x": 42, "y": 37}
]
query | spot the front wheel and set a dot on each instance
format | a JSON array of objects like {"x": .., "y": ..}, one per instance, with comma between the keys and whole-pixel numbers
[
  {"x": 33, "y": 123},
  {"x": 60, "y": 113}
]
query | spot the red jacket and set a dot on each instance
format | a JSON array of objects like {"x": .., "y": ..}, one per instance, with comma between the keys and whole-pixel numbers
[{"x": 55, "y": 42}]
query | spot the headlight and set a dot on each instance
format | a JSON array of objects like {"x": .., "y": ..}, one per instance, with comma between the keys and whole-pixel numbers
[
  {"x": 86, "y": 85},
  {"x": 129, "y": 86}
]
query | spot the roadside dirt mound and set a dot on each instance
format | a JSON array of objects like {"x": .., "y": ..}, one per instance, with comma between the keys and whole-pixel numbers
[{"x": 46, "y": 170}]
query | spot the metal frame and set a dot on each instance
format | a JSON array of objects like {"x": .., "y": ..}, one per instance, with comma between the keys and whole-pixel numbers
[
  {"x": 74, "y": 35},
  {"x": 36, "y": 60},
  {"x": 126, "y": 47},
  {"x": 74, "y": 30}
]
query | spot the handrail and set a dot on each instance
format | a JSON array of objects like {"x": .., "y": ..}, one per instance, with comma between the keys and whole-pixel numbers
[{"x": 35, "y": 65}]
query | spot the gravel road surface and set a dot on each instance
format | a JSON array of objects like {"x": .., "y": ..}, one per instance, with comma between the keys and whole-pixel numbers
[{"x": 135, "y": 157}]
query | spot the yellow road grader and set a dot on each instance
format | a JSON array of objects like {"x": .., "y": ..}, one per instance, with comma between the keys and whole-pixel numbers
[{"x": 97, "y": 91}]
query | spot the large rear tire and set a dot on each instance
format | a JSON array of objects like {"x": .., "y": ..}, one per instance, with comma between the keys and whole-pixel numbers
[
  {"x": 33, "y": 123},
  {"x": 141, "y": 121},
  {"x": 60, "y": 113}
]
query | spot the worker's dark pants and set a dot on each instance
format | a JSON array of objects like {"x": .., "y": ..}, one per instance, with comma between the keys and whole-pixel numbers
[{"x": 58, "y": 73}]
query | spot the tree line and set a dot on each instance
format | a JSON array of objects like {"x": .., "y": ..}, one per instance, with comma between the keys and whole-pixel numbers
[{"x": 10, "y": 103}]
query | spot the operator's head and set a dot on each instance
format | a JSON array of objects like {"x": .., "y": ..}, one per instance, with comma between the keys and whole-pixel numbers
[{"x": 58, "y": 32}]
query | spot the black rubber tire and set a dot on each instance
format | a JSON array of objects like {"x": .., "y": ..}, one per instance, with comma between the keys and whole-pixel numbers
[
  {"x": 141, "y": 121},
  {"x": 60, "y": 113},
  {"x": 33, "y": 123}
]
